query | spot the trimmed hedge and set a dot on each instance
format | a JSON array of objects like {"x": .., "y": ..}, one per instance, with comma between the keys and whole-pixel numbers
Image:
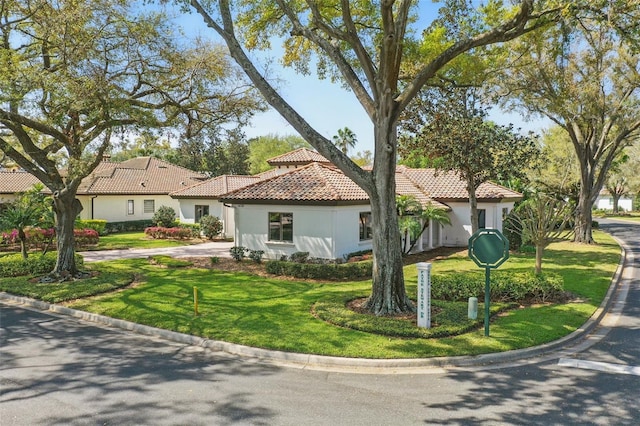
[
  {"x": 319, "y": 271},
  {"x": 128, "y": 226},
  {"x": 14, "y": 265},
  {"x": 159, "y": 232},
  {"x": 505, "y": 286},
  {"x": 97, "y": 225}
]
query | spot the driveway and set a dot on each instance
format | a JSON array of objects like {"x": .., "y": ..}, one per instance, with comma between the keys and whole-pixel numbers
[{"x": 217, "y": 249}]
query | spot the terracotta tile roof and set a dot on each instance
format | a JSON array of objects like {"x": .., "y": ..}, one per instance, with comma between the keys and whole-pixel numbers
[
  {"x": 18, "y": 181},
  {"x": 404, "y": 186},
  {"x": 298, "y": 157},
  {"x": 314, "y": 183},
  {"x": 142, "y": 175},
  {"x": 318, "y": 183},
  {"x": 215, "y": 187},
  {"x": 447, "y": 186}
]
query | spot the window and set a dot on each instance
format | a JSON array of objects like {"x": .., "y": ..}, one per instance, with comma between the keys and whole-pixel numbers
[
  {"x": 482, "y": 218},
  {"x": 365, "y": 226},
  {"x": 149, "y": 206},
  {"x": 201, "y": 211},
  {"x": 281, "y": 227},
  {"x": 130, "y": 209}
]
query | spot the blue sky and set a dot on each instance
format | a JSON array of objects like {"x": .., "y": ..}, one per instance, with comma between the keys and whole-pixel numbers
[{"x": 325, "y": 105}]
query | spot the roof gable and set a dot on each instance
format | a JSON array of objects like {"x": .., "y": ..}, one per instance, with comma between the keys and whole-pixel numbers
[
  {"x": 143, "y": 175},
  {"x": 215, "y": 187},
  {"x": 300, "y": 156},
  {"x": 314, "y": 183},
  {"x": 448, "y": 186},
  {"x": 12, "y": 182}
]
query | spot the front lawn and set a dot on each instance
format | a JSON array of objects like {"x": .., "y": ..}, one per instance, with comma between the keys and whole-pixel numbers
[
  {"x": 135, "y": 240},
  {"x": 277, "y": 314}
]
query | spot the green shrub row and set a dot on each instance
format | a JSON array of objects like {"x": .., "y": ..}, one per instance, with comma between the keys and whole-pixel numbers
[
  {"x": 97, "y": 225},
  {"x": 505, "y": 286},
  {"x": 128, "y": 226},
  {"x": 328, "y": 271},
  {"x": 14, "y": 265}
]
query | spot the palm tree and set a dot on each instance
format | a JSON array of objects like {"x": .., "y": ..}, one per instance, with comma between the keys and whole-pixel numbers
[
  {"x": 28, "y": 210},
  {"x": 345, "y": 139}
]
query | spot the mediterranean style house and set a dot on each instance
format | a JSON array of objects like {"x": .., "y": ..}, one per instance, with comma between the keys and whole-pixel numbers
[
  {"x": 303, "y": 204},
  {"x": 117, "y": 191},
  {"x": 311, "y": 206}
]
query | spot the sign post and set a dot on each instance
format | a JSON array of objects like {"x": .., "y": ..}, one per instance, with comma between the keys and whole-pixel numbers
[
  {"x": 424, "y": 294},
  {"x": 488, "y": 248}
]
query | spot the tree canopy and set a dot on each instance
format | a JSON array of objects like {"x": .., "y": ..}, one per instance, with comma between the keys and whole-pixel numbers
[
  {"x": 449, "y": 128},
  {"x": 74, "y": 75},
  {"x": 584, "y": 75},
  {"x": 374, "y": 49}
]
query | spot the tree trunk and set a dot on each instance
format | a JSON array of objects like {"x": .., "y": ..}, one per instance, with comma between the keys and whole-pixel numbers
[
  {"x": 473, "y": 204},
  {"x": 616, "y": 201},
  {"x": 23, "y": 243},
  {"x": 583, "y": 219},
  {"x": 539, "y": 254},
  {"x": 66, "y": 208},
  {"x": 388, "y": 295}
]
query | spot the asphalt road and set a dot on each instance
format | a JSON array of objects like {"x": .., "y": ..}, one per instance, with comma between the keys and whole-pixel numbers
[{"x": 58, "y": 370}]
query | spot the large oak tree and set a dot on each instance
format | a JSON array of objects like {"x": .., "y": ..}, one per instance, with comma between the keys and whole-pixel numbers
[
  {"x": 76, "y": 74},
  {"x": 585, "y": 77},
  {"x": 373, "y": 49},
  {"x": 450, "y": 129}
]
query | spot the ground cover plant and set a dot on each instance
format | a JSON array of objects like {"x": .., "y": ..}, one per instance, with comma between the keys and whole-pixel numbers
[{"x": 279, "y": 314}]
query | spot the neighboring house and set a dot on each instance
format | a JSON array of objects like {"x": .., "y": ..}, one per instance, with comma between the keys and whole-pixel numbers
[
  {"x": 133, "y": 189},
  {"x": 313, "y": 207},
  {"x": 201, "y": 199},
  {"x": 13, "y": 182},
  {"x": 605, "y": 202}
]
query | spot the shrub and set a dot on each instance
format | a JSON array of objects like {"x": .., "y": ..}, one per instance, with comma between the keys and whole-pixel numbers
[
  {"x": 194, "y": 228},
  {"x": 238, "y": 252},
  {"x": 86, "y": 237},
  {"x": 511, "y": 231},
  {"x": 128, "y": 226},
  {"x": 210, "y": 226},
  {"x": 505, "y": 286},
  {"x": 164, "y": 217},
  {"x": 360, "y": 253},
  {"x": 161, "y": 233},
  {"x": 321, "y": 271},
  {"x": 256, "y": 255},
  {"x": 299, "y": 257},
  {"x": 97, "y": 225},
  {"x": 14, "y": 265}
]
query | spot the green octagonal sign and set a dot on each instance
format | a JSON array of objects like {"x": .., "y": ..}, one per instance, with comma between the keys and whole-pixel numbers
[{"x": 488, "y": 248}]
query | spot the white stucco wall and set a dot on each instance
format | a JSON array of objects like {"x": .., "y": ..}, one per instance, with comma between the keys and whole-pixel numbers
[
  {"x": 7, "y": 198},
  {"x": 113, "y": 208},
  {"x": 331, "y": 232},
  {"x": 325, "y": 232},
  {"x": 605, "y": 202},
  {"x": 457, "y": 235},
  {"x": 187, "y": 213}
]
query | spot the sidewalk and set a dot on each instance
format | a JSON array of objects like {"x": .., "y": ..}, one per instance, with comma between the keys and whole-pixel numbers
[{"x": 217, "y": 249}]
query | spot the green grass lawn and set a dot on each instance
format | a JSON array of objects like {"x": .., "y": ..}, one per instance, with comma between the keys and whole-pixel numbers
[
  {"x": 127, "y": 240},
  {"x": 277, "y": 314}
]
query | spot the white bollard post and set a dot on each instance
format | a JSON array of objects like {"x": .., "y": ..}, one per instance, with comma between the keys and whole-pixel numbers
[
  {"x": 424, "y": 294},
  {"x": 472, "y": 311}
]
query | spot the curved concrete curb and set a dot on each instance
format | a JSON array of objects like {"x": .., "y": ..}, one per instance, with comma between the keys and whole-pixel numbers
[{"x": 352, "y": 365}]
